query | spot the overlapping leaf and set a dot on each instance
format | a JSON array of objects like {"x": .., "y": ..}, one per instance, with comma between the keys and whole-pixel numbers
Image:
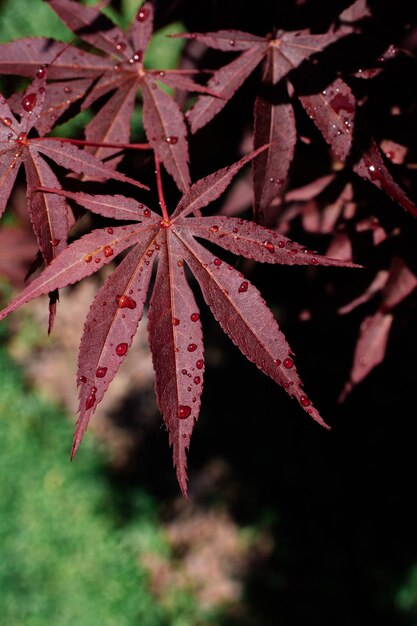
[
  {"x": 332, "y": 109},
  {"x": 175, "y": 333},
  {"x": 394, "y": 286},
  {"x": 49, "y": 215},
  {"x": 118, "y": 73}
]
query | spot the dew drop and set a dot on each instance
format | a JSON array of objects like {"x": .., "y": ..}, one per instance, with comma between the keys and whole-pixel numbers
[
  {"x": 141, "y": 15},
  {"x": 9, "y": 136},
  {"x": 293, "y": 251},
  {"x": 108, "y": 251},
  {"x": 217, "y": 262},
  {"x": 116, "y": 67},
  {"x": 90, "y": 402},
  {"x": 183, "y": 411},
  {"x": 121, "y": 47},
  {"x": 243, "y": 287},
  {"x": 137, "y": 57},
  {"x": 161, "y": 74},
  {"x": 192, "y": 347},
  {"x": 268, "y": 245},
  {"x": 82, "y": 379},
  {"x": 101, "y": 372},
  {"x": 184, "y": 372},
  {"x": 172, "y": 140},
  {"x": 125, "y": 302},
  {"x": 146, "y": 213},
  {"x": 121, "y": 349},
  {"x": 41, "y": 72},
  {"x": 195, "y": 317},
  {"x": 55, "y": 242},
  {"x": 28, "y": 102},
  {"x": 6, "y": 121},
  {"x": 22, "y": 138},
  {"x": 175, "y": 321},
  {"x": 67, "y": 90},
  {"x": 88, "y": 258},
  {"x": 214, "y": 228},
  {"x": 304, "y": 401},
  {"x": 277, "y": 361},
  {"x": 314, "y": 261},
  {"x": 180, "y": 263},
  {"x": 197, "y": 380},
  {"x": 97, "y": 260},
  {"x": 200, "y": 364},
  {"x": 231, "y": 42},
  {"x": 288, "y": 363}
]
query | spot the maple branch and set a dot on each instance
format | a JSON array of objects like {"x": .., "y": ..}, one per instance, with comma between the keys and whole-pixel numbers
[
  {"x": 160, "y": 189},
  {"x": 98, "y": 144}
]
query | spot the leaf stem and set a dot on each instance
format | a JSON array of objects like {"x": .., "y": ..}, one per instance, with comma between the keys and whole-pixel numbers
[{"x": 160, "y": 189}]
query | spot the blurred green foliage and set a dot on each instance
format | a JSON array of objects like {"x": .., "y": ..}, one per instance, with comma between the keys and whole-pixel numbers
[
  {"x": 64, "y": 558},
  {"x": 39, "y": 21}
]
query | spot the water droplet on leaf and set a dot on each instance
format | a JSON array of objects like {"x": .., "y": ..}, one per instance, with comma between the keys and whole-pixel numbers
[
  {"x": 304, "y": 401},
  {"x": 172, "y": 140},
  {"x": 288, "y": 363},
  {"x": 41, "y": 72},
  {"x": 217, "y": 262},
  {"x": 195, "y": 317},
  {"x": 183, "y": 411},
  {"x": 121, "y": 349},
  {"x": 268, "y": 245},
  {"x": 175, "y": 321},
  {"x": 108, "y": 251},
  {"x": 243, "y": 287},
  {"x": 91, "y": 400},
  {"x": 28, "y": 102},
  {"x": 101, "y": 372},
  {"x": 6, "y": 121},
  {"x": 125, "y": 302},
  {"x": 141, "y": 15}
]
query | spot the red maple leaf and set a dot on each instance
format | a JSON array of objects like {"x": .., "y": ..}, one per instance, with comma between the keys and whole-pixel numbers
[
  {"x": 49, "y": 216},
  {"x": 332, "y": 109},
  {"x": 118, "y": 72},
  {"x": 174, "y": 326}
]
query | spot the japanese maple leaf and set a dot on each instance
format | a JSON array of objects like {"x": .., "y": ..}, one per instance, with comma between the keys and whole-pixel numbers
[
  {"x": 332, "y": 109},
  {"x": 394, "y": 286},
  {"x": 174, "y": 326},
  {"x": 274, "y": 121},
  {"x": 120, "y": 73},
  {"x": 49, "y": 215}
]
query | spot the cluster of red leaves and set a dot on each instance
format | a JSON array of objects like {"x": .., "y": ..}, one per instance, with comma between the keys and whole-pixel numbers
[{"x": 110, "y": 68}]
